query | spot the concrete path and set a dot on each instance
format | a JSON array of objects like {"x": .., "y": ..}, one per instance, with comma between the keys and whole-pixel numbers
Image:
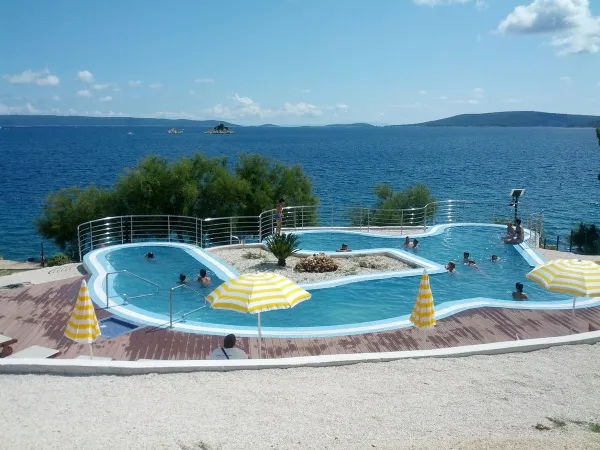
[
  {"x": 39, "y": 276},
  {"x": 553, "y": 254}
]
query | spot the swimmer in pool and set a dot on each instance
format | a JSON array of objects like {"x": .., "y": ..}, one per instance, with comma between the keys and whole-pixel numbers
[
  {"x": 204, "y": 278},
  {"x": 495, "y": 258},
  {"x": 407, "y": 243},
  {"x": 466, "y": 257},
  {"x": 451, "y": 267},
  {"x": 149, "y": 255},
  {"x": 344, "y": 248},
  {"x": 519, "y": 295},
  {"x": 182, "y": 278},
  {"x": 415, "y": 244}
]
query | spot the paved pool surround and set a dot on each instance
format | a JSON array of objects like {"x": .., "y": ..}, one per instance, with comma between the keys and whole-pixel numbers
[{"x": 97, "y": 264}]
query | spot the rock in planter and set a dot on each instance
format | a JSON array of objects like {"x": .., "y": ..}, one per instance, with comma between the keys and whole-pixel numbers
[{"x": 317, "y": 263}]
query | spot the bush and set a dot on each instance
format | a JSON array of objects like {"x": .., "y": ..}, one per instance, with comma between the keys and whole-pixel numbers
[
  {"x": 388, "y": 210},
  {"x": 283, "y": 246},
  {"x": 587, "y": 239},
  {"x": 58, "y": 260},
  {"x": 191, "y": 186},
  {"x": 317, "y": 263},
  {"x": 253, "y": 255}
]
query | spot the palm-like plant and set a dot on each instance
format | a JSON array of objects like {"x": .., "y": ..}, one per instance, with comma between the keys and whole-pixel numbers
[{"x": 283, "y": 246}]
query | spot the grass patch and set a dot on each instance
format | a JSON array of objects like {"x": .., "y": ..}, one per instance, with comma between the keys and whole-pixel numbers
[
  {"x": 595, "y": 427},
  {"x": 254, "y": 255},
  {"x": 4, "y": 272},
  {"x": 557, "y": 422}
]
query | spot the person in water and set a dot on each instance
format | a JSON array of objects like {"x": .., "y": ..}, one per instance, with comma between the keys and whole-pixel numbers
[
  {"x": 415, "y": 244},
  {"x": 407, "y": 242},
  {"x": 510, "y": 231},
  {"x": 466, "y": 257},
  {"x": 519, "y": 294},
  {"x": 182, "y": 277},
  {"x": 279, "y": 215},
  {"x": 472, "y": 263},
  {"x": 495, "y": 258},
  {"x": 149, "y": 255},
  {"x": 451, "y": 267},
  {"x": 204, "y": 278},
  {"x": 344, "y": 248}
]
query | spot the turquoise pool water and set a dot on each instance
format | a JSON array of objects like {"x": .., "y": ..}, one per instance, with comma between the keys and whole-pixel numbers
[{"x": 348, "y": 304}]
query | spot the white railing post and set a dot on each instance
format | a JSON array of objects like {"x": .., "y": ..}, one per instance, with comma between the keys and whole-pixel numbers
[
  {"x": 79, "y": 241},
  {"x": 260, "y": 228},
  {"x": 168, "y": 228},
  {"x": 402, "y": 221},
  {"x": 295, "y": 222},
  {"x": 230, "y": 230},
  {"x": 122, "y": 237},
  {"x": 196, "y": 232},
  {"x": 91, "y": 237}
]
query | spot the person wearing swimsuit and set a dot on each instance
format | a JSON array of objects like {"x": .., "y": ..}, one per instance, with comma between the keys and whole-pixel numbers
[{"x": 279, "y": 216}]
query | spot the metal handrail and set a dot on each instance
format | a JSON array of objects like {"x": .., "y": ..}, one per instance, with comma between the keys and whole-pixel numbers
[
  {"x": 171, "y": 303},
  {"x": 135, "y": 296}
]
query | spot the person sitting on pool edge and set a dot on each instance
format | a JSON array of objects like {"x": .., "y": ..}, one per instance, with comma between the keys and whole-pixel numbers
[
  {"x": 510, "y": 232},
  {"x": 182, "y": 277},
  {"x": 519, "y": 294},
  {"x": 229, "y": 350},
  {"x": 149, "y": 255},
  {"x": 451, "y": 267},
  {"x": 344, "y": 248},
  {"x": 520, "y": 237},
  {"x": 204, "y": 278}
]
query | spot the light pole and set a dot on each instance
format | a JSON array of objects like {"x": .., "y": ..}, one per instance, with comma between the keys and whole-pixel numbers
[{"x": 516, "y": 194}]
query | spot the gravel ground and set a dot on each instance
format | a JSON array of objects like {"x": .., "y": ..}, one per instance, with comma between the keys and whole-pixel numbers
[
  {"x": 265, "y": 261},
  {"x": 482, "y": 402}
]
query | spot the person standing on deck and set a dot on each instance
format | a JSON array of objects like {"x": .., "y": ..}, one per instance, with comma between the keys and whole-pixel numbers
[{"x": 279, "y": 216}]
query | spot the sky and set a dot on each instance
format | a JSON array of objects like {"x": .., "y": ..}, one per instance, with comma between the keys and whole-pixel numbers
[{"x": 299, "y": 62}]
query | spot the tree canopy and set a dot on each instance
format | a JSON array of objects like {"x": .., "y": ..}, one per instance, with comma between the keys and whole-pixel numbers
[{"x": 196, "y": 186}]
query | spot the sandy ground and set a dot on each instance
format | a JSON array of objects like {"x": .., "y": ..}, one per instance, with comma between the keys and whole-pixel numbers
[
  {"x": 39, "y": 276},
  {"x": 482, "y": 402},
  {"x": 265, "y": 261}
]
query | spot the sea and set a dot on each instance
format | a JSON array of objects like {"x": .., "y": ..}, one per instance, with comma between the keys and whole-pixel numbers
[{"x": 558, "y": 167}]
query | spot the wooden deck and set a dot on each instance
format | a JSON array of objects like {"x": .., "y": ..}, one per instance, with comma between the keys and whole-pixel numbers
[{"x": 38, "y": 315}]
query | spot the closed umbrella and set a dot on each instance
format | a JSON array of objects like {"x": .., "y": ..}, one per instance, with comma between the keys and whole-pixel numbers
[
  {"x": 423, "y": 313},
  {"x": 569, "y": 276},
  {"x": 257, "y": 292},
  {"x": 83, "y": 325}
]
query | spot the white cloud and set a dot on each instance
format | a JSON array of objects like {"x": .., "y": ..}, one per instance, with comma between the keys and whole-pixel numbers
[
  {"x": 85, "y": 76},
  {"x": 174, "y": 115},
  {"x": 574, "y": 27},
  {"x": 465, "y": 102},
  {"x": 341, "y": 106},
  {"x": 155, "y": 85},
  {"x": 41, "y": 78},
  {"x": 423, "y": 92},
  {"x": 100, "y": 87},
  {"x": 108, "y": 98},
  {"x": 478, "y": 92},
  {"x": 301, "y": 109},
  {"x": 204, "y": 80},
  {"x": 56, "y": 98},
  {"x": 84, "y": 93},
  {"x": 134, "y": 83},
  {"x": 220, "y": 112},
  {"x": 566, "y": 79},
  {"x": 104, "y": 114},
  {"x": 116, "y": 89},
  {"x": 512, "y": 100},
  {"x": 444, "y": 97},
  {"x": 473, "y": 102},
  {"x": 28, "y": 108},
  {"x": 192, "y": 92}
]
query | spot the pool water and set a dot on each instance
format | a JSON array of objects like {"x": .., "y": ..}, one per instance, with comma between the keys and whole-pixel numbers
[{"x": 351, "y": 303}]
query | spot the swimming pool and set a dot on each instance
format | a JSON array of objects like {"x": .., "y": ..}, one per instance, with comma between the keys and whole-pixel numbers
[{"x": 361, "y": 306}]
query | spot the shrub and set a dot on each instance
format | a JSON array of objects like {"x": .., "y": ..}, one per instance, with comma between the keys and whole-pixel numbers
[
  {"x": 283, "y": 246},
  {"x": 253, "y": 255},
  {"x": 317, "y": 263},
  {"x": 586, "y": 238},
  {"x": 58, "y": 260}
]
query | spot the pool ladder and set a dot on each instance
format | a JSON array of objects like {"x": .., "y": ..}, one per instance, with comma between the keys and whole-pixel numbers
[
  {"x": 125, "y": 297},
  {"x": 184, "y": 315}
]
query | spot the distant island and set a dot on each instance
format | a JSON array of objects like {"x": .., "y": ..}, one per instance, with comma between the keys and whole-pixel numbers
[
  {"x": 220, "y": 129},
  {"x": 494, "y": 119},
  {"x": 516, "y": 119}
]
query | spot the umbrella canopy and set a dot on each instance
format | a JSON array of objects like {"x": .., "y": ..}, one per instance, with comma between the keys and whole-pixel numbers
[
  {"x": 568, "y": 276},
  {"x": 83, "y": 325},
  {"x": 257, "y": 292},
  {"x": 423, "y": 313}
]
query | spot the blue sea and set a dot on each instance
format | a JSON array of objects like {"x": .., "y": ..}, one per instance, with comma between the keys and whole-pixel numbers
[{"x": 558, "y": 167}]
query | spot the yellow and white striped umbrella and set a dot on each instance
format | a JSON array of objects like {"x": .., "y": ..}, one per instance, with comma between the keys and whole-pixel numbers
[
  {"x": 257, "y": 292},
  {"x": 569, "y": 276},
  {"x": 423, "y": 313},
  {"x": 83, "y": 325}
]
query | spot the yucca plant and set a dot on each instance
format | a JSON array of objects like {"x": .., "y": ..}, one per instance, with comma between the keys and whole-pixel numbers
[{"x": 283, "y": 246}]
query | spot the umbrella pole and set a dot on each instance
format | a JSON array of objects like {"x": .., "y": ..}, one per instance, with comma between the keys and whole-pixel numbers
[
  {"x": 573, "y": 315},
  {"x": 259, "y": 338},
  {"x": 91, "y": 353},
  {"x": 425, "y": 331}
]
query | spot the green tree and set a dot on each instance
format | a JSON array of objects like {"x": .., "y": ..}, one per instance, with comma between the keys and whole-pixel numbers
[{"x": 191, "y": 186}]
